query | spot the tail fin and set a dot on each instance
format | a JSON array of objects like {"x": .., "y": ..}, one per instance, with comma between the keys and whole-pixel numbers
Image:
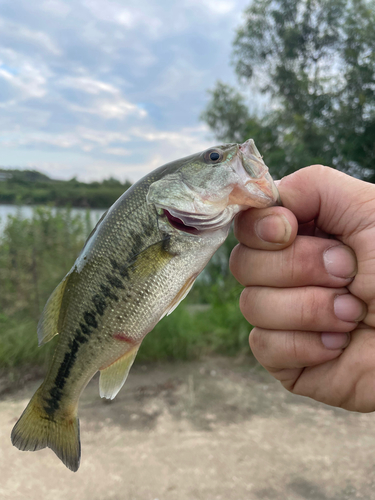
[{"x": 35, "y": 430}]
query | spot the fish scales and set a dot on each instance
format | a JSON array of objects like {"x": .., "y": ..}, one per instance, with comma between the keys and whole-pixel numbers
[{"x": 136, "y": 266}]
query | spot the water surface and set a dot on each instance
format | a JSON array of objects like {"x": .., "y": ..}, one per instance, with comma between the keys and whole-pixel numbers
[{"x": 26, "y": 212}]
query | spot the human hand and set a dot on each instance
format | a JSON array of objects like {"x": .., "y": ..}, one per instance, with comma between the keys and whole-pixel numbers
[{"x": 311, "y": 295}]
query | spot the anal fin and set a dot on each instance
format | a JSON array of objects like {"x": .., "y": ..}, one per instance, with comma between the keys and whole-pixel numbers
[{"x": 114, "y": 376}]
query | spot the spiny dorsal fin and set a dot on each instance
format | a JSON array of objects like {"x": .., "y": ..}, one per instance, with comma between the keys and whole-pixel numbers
[
  {"x": 53, "y": 314},
  {"x": 114, "y": 376}
]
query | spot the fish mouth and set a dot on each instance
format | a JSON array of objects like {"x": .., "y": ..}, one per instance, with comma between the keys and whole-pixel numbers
[
  {"x": 179, "y": 224},
  {"x": 197, "y": 223},
  {"x": 257, "y": 188}
]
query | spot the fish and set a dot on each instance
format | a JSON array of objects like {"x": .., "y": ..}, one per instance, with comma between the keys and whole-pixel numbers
[{"x": 136, "y": 266}]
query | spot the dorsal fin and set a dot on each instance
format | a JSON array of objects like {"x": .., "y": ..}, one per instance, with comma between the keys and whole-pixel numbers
[
  {"x": 53, "y": 313},
  {"x": 114, "y": 376}
]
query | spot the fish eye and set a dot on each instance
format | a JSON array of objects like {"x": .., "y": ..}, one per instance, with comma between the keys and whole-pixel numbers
[{"x": 213, "y": 156}]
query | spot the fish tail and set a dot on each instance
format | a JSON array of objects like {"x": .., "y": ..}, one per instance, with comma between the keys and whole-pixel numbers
[{"x": 36, "y": 429}]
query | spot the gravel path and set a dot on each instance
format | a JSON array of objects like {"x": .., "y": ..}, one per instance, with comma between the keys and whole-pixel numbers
[{"x": 215, "y": 429}]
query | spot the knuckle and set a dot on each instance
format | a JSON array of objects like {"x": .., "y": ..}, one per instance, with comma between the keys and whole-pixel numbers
[
  {"x": 242, "y": 225},
  {"x": 258, "y": 342},
  {"x": 236, "y": 262},
  {"x": 310, "y": 307},
  {"x": 297, "y": 344},
  {"x": 245, "y": 303},
  {"x": 318, "y": 169},
  {"x": 248, "y": 304}
]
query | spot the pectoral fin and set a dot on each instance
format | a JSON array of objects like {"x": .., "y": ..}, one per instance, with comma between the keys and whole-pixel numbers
[
  {"x": 180, "y": 296},
  {"x": 114, "y": 376},
  {"x": 53, "y": 314}
]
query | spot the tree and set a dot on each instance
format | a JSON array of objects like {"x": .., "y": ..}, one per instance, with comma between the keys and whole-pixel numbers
[{"x": 315, "y": 60}]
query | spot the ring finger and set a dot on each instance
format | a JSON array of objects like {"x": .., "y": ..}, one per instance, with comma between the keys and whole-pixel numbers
[{"x": 307, "y": 308}]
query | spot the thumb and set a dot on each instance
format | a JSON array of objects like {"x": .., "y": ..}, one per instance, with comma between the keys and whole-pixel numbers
[{"x": 339, "y": 204}]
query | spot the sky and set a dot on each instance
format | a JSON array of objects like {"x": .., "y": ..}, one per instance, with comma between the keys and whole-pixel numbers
[{"x": 99, "y": 88}]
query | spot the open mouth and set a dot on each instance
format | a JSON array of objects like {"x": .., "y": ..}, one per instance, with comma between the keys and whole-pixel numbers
[
  {"x": 198, "y": 223},
  {"x": 179, "y": 224}
]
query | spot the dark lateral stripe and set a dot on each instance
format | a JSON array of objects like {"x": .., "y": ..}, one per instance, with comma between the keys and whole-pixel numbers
[
  {"x": 137, "y": 246},
  {"x": 120, "y": 268},
  {"x": 90, "y": 319},
  {"x": 81, "y": 336},
  {"x": 107, "y": 292},
  {"x": 114, "y": 264},
  {"x": 100, "y": 304},
  {"x": 84, "y": 329},
  {"x": 114, "y": 281},
  {"x": 124, "y": 272},
  {"x": 56, "y": 393}
]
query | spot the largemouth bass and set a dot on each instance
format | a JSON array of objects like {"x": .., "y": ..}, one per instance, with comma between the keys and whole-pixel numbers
[{"x": 137, "y": 265}]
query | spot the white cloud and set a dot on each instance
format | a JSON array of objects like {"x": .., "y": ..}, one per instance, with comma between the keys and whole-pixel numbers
[
  {"x": 187, "y": 138},
  {"x": 115, "y": 106},
  {"x": 174, "y": 81},
  {"x": 16, "y": 31},
  {"x": 87, "y": 84},
  {"x": 109, "y": 87},
  {"x": 117, "y": 151},
  {"x": 102, "y": 137},
  {"x": 142, "y": 14},
  {"x": 221, "y": 7},
  {"x": 26, "y": 78},
  {"x": 55, "y": 7},
  {"x": 109, "y": 109},
  {"x": 67, "y": 140},
  {"x": 29, "y": 81},
  {"x": 111, "y": 12}
]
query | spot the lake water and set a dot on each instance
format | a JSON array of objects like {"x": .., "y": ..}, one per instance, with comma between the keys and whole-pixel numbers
[{"x": 27, "y": 212}]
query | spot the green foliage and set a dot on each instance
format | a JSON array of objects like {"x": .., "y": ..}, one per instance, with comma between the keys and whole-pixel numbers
[
  {"x": 35, "y": 255},
  {"x": 187, "y": 334},
  {"x": 29, "y": 187},
  {"x": 226, "y": 113},
  {"x": 315, "y": 62},
  {"x": 220, "y": 115}
]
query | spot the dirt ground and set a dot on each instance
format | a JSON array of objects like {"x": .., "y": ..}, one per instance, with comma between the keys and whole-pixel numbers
[{"x": 215, "y": 429}]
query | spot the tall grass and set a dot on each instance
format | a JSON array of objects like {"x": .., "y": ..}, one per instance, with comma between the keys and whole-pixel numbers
[{"x": 36, "y": 253}]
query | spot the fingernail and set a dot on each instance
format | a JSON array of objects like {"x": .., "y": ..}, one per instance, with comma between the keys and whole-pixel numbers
[
  {"x": 274, "y": 229},
  {"x": 335, "y": 340},
  {"x": 349, "y": 308},
  {"x": 340, "y": 261}
]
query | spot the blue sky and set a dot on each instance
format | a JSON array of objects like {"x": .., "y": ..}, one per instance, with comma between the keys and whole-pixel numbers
[{"x": 100, "y": 88}]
